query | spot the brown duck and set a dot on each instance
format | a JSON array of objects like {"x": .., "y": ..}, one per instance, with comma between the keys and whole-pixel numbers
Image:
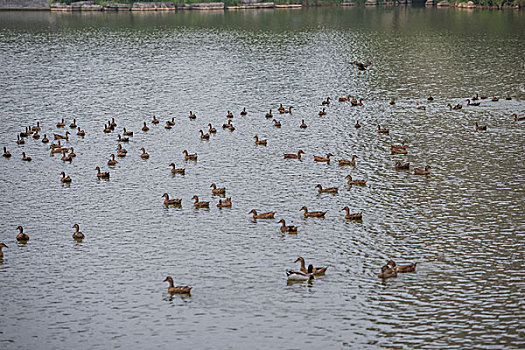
[
  {"x": 355, "y": 182},
  {"x": 260, "y": 142},
  {"x": 177, "y": 289},
  {"x": 189, "y": 156},
  {"x": 320, "y": 188},
  {"x": 312, "y": 214},
  {"x": 289, "y": 229},
  {"x": 21, "y": 236},
  {"x": 267, "y": 215},
  {"x": 317, "y": 271},
  {"x": 353, "y": 216},
  {"x": 293, "y": 155},
  {"x": 227, "y": 203},
  {"x": 348, "y": 162},
  {"x": 418, "y": 171},
  {"x": 217, "y": 190},
  {"x": 77, "y": 235},
  {"x": 198, "y": 204},
  {"x": 168, "y": 201},
  {"x": 174, "y": 170},
  {"x": 323, "y": 159}
]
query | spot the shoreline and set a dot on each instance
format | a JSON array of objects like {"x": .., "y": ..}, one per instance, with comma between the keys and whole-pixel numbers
[{"x": 90, "y": 6}]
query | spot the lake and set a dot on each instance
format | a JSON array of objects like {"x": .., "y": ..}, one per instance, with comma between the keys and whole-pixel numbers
[{"x": 464, "y": 224}]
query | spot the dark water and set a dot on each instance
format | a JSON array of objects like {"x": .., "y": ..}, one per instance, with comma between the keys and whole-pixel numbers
[{"x": 464, "y": 224}]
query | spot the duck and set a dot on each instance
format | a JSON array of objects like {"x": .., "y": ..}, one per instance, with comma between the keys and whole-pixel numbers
[
  {"x": 65, "y": 179},
  {"x": 286, "y": 111},
  {"x": 480, "y": 127},
  {"x": 174, "y": 201},
  {"x": 58, "y": 150},
  {"x": 229, "y": 115},
  {"x": 397, "y": 150},
  {"x": 21, "y": 236},
  {"x": 45, "y": 139},
  {"x": 323, "y": 112},
  {"x": 19, "y": 141},
  {"x": 323, "y": 159},
  {"x": 77, "y": 235},
  {"x": 25, "y": 158},
  {"x": 198, "y": 204},
  {"x": 228, "y": 125},
  {"x": 301, "y": 276},
  {"x": 267, "y": 215},
  {"x": 192, "y": 115},
  {"x": 507, "y": 97},
  {"x": 61, "y": 124},
  {"x": 128, "y": 133},
  {"x": 145, "y": 127},
  {"x": 174, "y": 170},
  {"x": 401, "y": 146},
  {"x": 25, "y": 133},
  {"x": 2, "y": 245},
  {"x": 361, "y": 66},
  {"x": 484, "y": 95},
  {"x": 72, "y": 152},
  {"x": 74, "y": 124},
  {"x": 107, "y": 129},
  {"x": 189, "y": 156},
  {"x": 37, "y": 127},
  {"x": 6, "y": 153},
  {"x": 293, "y": 155},
  {"x": 112, "y": 161},
  {"x": 303, "y": 124},
  {"x": 217, "y": 190},
  {"x": 171, "y": 122},
  {"x": 312, "y": 214},
  {"x": 102, "y": 175},
  {"x": 456, "y": 107},
  {"x": 516, "y": 118},
  {"x": 355, "y": 182},
  {"x": 36, "y": 135},
  {"x": 154, "y": 120},
  {"x": 418, "y": 171},
  {"x": 144, "y": 155},
  {"x": 211, "y": 129},
  {"x": 61, "y": 137},
  {"x": 392, "y": 101},
  {"x": 112, "y": 124},
  {"x": 269, "y": 114},
  {"x": 260, "y": 142},
  {"x": 204, "y": 136},
  {"x": 227, "y": 203},
  {"x": 289, "y": 229},
  {"x": 177, "y": 289},
  {"x": 494, "y": 98},
  {"x": 326, "y": 190},
  {"x": 281, "y": 108},
  {"x": 66, "y": 157},
  {"x": 387, "y": 272},
  {"x": 430, "y": 98},
  {"x": 354, "y": 102},
  {"x": 80, "y": 132},
  {"x": 167, "y": 126},
  {"x": 357, "y": 125},
  {"x": 401, "y": 166},
  {"x": 353, "y": 216},
  {"x": 422, "y": 108},
  {"x": 345, "y": 99},
  {"x": 317, "y": 271},
  {"x": 382, "y": 131},
  {"x": 243, "y": 112},
  {"x": 348, "y": 162},
  {"x": 276, "y": 123},
  {"x": 472, "y": 104},
  {"x": 121, "y": 152},
  {"x": 475, "y": 98},
  {"x": 403, "y": 268},
  {"x": 326, "y": 102},
  {"x": 122, "y": 139}
]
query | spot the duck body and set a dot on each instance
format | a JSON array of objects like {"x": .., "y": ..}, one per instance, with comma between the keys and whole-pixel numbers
[
  {"x": 172, "y": 289},
  {"x": 287, "y": 229},
  {"x": 144, "y": 155},
  {"x": 174, "y": 201},
  {"x": 348, "y": 162},
  {"x": 326, "y": 102},
  {"x": 355, "y": 182},
  {"x": 260, "y": 142},
  {"x": 382, "y": 130},
  {"x": 303, "y": 125},
  {"x": 323, "y": 112},
  {"x": 6, "y": 153},
  {"x": 396, "y": 150},
  {"x": 426, "y": 171},
  {"x": 128, "y": 133},
  {"x": 317, "y": 271},
  {"x": 21, "y": 236},
  {"x": 102, "y": 175},
  {"x": 269, "y": 114},
  {"x": 402, "y": 166},
  {"x": 403, "y": 268},
  {"x": 293, "y": 155},
  {"x": 267, "y": 215},
  {"x": 61, "y": 124},
  {"x": 80, "y": 132},
  {"x": 299, "y": 276},
  {"x": 154, "y": 120},
  {"x": 332, "y": 190},
  {"x": 192, "y": 115},
  {"x": 77, "y": 235},
  {"x": 475, "y": 104},
  {"x": 211, "y": 129},
  {"x": 276, "y": 123},
  {"x": 352, "y": 216},
  {"x": 189, "y": 156},
  {"x": 74, "y": 124},
  {"x": 204, "y": 136},
  {"x": 313, "y": 214},
  {"x": 112, "y": 161},
  {"x": 26, "y": 158},
  {"x": 323, "y": 159},
  {"x": 227, "y": 203},
  {"x": 387, "y": 272},
  {"x": 217, "y": 190},
  {"x": 65, "y": 179},
  {"x": 174, "y": 170},
  {"x": 198, "y": 204},
  {"x": 357, "y": 125},
  {"x": 243, "y": 112},
  {"x": 61, "y": 137}
]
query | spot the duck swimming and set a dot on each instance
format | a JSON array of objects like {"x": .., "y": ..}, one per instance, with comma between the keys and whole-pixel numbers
[
  {"x": 227, "y": 203},
  {"x": 333, "y": 190},
  {"x": 2, "y": 245},
  {"x": 353, "y": 216},
  {"x": 174, "y": 170},
  {"x": 355, "y": 182},
  {"x": 189, "y": 156},
  {"x": 177, "y": 289},
  {"x": 348, "y": 162},
  {"x": 293, "y": 155},
  {"x": 312, "y": 214},
  {"x": 174, "y": 201},
  {"x": 77, "y": 235},
  {"x": 289, "y": 229},
  {"x": 102, "y": 175},
  {"x": 6, "y": 153},
  {"x": 217, "y": 190},
  {"x": 418, "y": 171},
  {"x": 299, "y": 275},
  {"x": 21, "y": 236},
  {"x": 317, "y": 271},
  {"x": 267, "y": 215},
  {"x": 65, "y": 179},
  {"x": 197, "y": 204}
]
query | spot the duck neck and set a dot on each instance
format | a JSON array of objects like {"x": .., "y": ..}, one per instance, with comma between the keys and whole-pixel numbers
[{"x": 303, "y": 268}]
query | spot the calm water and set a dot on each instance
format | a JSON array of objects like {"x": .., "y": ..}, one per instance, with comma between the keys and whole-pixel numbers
[{"x": 464, "y": 224}]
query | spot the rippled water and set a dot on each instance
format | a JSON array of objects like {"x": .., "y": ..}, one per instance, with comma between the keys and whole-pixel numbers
[{"x": 464, "y": 224}]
